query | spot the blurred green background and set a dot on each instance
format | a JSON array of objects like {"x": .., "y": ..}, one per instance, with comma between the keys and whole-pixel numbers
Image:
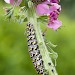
[{"x": 14, "y": 56}]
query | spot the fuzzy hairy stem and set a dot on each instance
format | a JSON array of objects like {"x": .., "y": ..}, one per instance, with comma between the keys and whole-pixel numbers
[
  {"x": 42, "y": 47},
  {"x": 48, "y": 64}
]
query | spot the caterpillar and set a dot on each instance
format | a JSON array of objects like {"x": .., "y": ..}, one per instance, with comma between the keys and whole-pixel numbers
[
  {"x": 34, "y": 50},
  {"x": 38, "y": 1}
]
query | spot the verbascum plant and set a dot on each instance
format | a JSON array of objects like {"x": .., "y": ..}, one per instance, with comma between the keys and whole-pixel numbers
[{"x": 37, "y": 12}]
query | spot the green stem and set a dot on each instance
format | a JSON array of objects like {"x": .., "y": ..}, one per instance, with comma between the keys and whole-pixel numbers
[{"x": 48, "y": 64}]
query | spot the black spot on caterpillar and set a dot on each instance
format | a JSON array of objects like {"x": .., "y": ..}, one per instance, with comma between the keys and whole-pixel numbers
[
  {"x": 34, "y": 50},
  {"x": 38, "y": 1}
]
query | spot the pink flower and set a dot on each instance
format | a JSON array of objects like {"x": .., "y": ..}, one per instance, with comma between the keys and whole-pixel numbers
[
  {"x": 53, "y": 16},
  {"x": 45, "y": 9},
  {"x": 55, "y": 7},
  {"x": 54, "y": 1},
  {"x": 13, "y": 2},
  {"x": 54, "y": 24},
  {"x": 42, "y": 9},
  {"x": 52, "y": 12},
  {"x": 51, "y": 1}
]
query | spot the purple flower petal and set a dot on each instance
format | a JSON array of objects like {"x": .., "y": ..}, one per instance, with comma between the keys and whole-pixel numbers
[
  {"x": 13, "y": 2},
  {"x": 55, "y": 24},
  {"x": 42, "y": 9},
  {"x": 55, "y": 7},
  {"x": 54, "y": 1},
  {"x": 53, "y": 16}
]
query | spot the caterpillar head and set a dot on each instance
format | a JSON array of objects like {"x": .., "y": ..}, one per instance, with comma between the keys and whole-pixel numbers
[{"x": 38, "y": 1}]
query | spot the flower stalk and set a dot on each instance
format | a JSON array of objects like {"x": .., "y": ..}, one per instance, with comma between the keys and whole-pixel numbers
[{"x": 48, "y": 64}]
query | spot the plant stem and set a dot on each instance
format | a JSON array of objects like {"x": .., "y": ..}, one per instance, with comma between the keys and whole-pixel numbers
[{"x": 48, "y": 64}]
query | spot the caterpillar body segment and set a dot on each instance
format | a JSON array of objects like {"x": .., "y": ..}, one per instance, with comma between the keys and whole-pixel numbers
[{"x": 34, "y": 50}]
